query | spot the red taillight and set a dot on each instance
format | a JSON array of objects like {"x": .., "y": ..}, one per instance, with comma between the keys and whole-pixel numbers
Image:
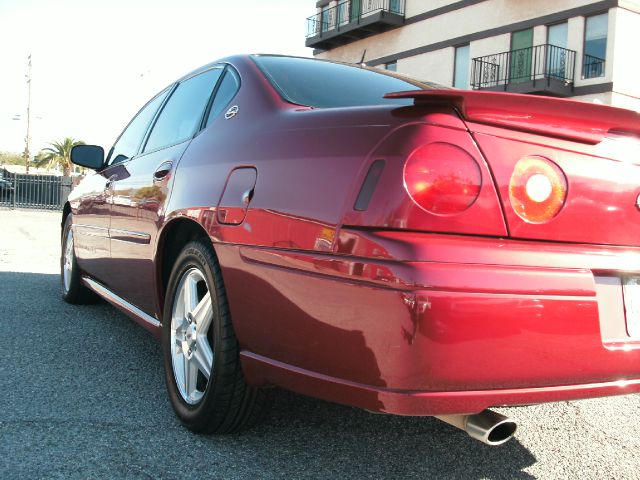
[
  {"x": 442, "y": 179},
  {"x": 537, "y": 189}
]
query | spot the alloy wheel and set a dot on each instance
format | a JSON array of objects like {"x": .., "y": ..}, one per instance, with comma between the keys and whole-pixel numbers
[
  {"x": 191, "y": 339},
  {"x": 67, "y": 265}
]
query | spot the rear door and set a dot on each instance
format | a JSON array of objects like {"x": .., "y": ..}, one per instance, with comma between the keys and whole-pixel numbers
[{"x": 140, "y": 196}]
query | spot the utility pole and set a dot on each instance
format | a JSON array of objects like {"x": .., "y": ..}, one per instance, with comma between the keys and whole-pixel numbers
[{"x": 27, "y": 139}]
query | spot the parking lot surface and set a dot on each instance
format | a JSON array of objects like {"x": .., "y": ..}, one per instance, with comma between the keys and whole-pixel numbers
[{"x": 82, "y": 396}]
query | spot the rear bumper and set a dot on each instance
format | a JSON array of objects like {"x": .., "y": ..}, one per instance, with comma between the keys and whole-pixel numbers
[
  {"x": 476, "y": 322},
  {"x": 417, "y": 403}
]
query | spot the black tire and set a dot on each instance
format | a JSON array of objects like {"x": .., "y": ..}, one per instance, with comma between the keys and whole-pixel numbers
[
  {"x": 75, "y": 292},
  {"x": 228, "y": 404}
]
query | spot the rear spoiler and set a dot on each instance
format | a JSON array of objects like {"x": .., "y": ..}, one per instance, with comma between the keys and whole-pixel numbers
[{"x": 554, "y": 117}]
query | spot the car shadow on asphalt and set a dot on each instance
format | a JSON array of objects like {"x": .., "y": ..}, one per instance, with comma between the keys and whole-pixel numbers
[
  {"x": 119, "y": 372},
  {"x": 323, "y": 436}
]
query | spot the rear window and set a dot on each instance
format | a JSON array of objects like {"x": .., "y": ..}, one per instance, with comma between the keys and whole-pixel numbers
[{"x": 323, "y": 84}]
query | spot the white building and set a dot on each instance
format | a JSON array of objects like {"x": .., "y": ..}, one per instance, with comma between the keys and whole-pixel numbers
[{"x": 570, "y": 48}]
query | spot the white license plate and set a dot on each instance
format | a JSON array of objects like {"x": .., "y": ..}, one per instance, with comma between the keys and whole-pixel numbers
[{"x": 631, "y": 291}]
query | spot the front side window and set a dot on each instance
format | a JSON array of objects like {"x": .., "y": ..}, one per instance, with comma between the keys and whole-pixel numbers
[
  {"x": 595, "y": 46},
  {"x": 182, "y": 114},
  {"x": 129, "y": 141},
  {"x": 461, "y": 68},
  {"x": 323, "y": 84},
  {"x": 391, "y": 66}
]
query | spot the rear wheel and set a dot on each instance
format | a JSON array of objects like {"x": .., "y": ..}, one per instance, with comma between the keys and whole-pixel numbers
[
  {"x": 201, "y": 353},
  {"x": 73, "y": 291}
]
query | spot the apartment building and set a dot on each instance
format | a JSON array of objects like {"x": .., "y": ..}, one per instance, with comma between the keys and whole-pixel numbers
[{"x": 569, "y": 48}]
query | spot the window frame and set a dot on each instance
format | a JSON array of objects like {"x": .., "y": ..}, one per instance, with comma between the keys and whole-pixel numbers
[
  {"x": 584, "y": 46},
  {"x": 141, "y": 151},
  {"x": 555, "y": 24},
  {"x": 205, "y": 117},
  {"x": 565, "y": 72},
  {"x": 455, "y": 57}
]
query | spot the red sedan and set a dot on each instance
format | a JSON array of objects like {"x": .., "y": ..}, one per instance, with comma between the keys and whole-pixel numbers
[{"x": 293, "y": 222}]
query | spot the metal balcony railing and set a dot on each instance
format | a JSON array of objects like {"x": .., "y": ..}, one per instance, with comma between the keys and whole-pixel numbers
[
  {"x": 546, "y": 62},
  {"x": 592, "y": 67},
  {"x": 349, "y": 12}
]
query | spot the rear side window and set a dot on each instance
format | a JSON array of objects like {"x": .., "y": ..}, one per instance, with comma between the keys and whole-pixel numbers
[
  {"x": 182, "y": 114},
  {"x": 129, "y": 141},
  {"x": 226, "y": 91},
  {"x": 323, "y": 84}
]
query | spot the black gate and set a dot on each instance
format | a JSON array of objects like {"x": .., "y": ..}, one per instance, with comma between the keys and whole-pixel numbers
[{"x": 33, "y": 191}]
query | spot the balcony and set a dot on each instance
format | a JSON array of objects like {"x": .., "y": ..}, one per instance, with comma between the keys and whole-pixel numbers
[
  {"x": 543, "y": 69},
  {"x": 352, "y": 20}
]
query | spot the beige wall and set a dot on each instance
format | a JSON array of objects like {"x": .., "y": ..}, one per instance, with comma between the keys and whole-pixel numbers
[
  {"x": 433, "y": 66},
  {"x": 625, "y": 101},
  {"x": 625, "y": 58},
  {"x": 413, "y": 7}
]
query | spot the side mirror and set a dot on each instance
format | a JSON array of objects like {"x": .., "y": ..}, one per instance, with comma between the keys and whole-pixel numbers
[{"x": 90, "y": 156}]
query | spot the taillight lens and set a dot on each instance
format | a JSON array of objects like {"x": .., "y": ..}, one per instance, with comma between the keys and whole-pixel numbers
[
  {"x": 537, "y": 189},
  {"x": 442, "y": 179}
]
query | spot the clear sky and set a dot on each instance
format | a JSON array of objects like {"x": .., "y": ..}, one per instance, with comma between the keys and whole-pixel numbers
[{"x": 96, "y": 62}]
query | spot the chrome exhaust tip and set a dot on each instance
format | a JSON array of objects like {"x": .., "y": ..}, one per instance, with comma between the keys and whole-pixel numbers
[{"x": 489, "y": 427}]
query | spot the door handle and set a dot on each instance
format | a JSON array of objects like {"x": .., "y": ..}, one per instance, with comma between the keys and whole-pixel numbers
[{"x": 162, "y": 171}]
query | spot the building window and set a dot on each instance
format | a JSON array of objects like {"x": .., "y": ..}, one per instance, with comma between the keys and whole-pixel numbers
[
  {"x": 521, "y": 56},
  {"x": 556, "y": 53},
  {"x": 325, "y": 19},
  {"x": 355, "y": 9},
  {"x": 395, "y": 6},
  {"x": 391, "y": 66},
  {"x": 595, "y": 46},
  {"x": 461, "y": 67}
]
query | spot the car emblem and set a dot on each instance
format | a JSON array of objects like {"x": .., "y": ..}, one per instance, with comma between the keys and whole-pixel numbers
[{"x": 232, "y": 112}]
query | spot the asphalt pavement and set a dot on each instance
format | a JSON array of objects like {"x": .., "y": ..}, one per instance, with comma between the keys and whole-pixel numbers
[{"x": 82, "y": 395}]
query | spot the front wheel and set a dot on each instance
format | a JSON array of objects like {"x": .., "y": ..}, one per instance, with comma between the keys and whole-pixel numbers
[
  {"x": 73, "y": 291},
  {"x": 201, "y": 353}
]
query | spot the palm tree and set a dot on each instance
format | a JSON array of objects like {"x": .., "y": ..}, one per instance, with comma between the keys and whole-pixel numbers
[{"x": 58, "y": 154}]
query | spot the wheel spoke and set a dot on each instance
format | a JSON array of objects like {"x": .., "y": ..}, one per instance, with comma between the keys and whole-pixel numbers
[
  {"x": 178, "y": 370},
  {"x": 203, "y": 356},
  {"x": 190, "y": 376},
  {"x": 68, "y": 261},
  {"x": 203, "y": 314},
  {"x": 190, "y": 294}
]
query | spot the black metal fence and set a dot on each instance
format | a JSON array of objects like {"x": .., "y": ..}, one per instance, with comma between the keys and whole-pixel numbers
[
  {"x": 525, "y": 64},
  {"x": 33, "y": 191},
  {"x": 349, "y": 12}
]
